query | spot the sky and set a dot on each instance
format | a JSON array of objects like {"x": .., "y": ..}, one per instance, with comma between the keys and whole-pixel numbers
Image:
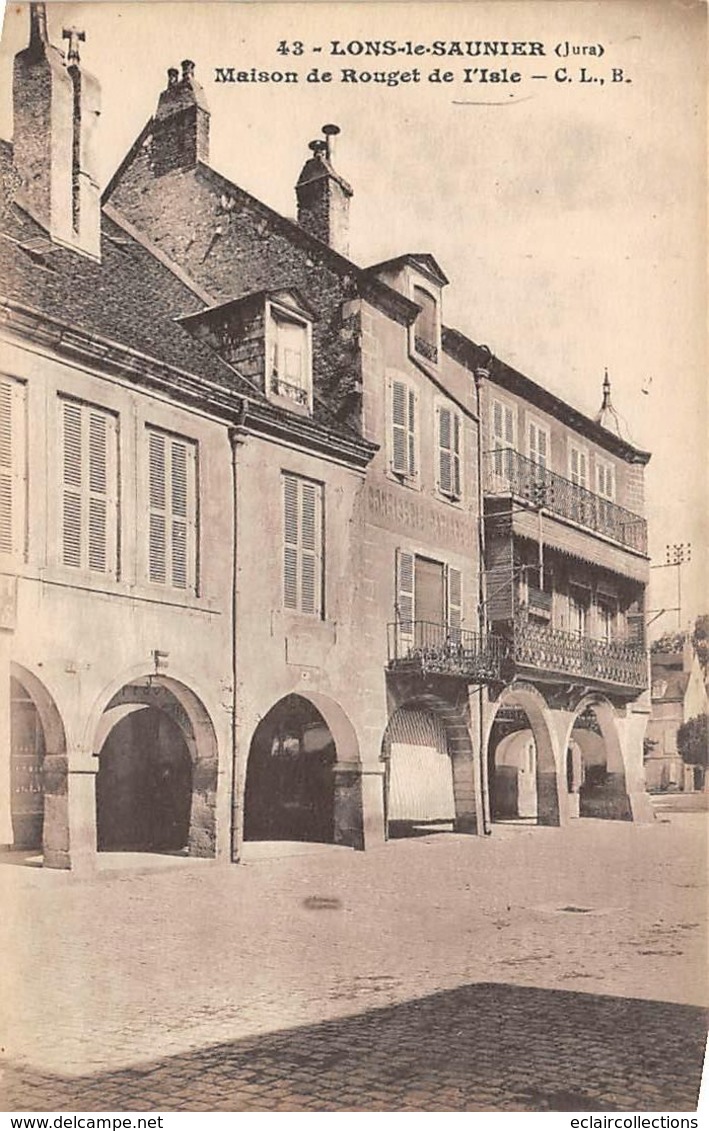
[{"x": 569, "y": 216}]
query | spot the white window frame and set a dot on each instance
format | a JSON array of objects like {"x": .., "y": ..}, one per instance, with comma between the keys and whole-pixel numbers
[
  {"x": 13, "y": 467},
  {"x": 275, "y": 313},
  {"x": 303, "y": 546},
  {"x": 417, "y": 283},
  {"x": 178, "y": 528},
  {"x": 534, "y": 425},
  {"x": 80, "y": 497},
  {"x": 450, "y": 483},
  {"x": 406, "y": 469}
]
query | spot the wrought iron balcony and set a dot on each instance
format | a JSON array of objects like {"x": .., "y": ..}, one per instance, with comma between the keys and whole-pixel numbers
[
  {"x": 436, "y": 649},
  {"x": 566, "y": 654},
  {"x": 507, "y": 472}
]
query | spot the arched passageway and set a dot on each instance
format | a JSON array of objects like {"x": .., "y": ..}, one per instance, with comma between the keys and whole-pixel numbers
[
  {"x": 157, "y": 775},
  {"x": 38, "y": 770},
  {"x": 602, "y": 788},
  {"x": 144, "y": 785},
  {"x": 522, "y": 775},
  {"x": 512, "y": 772},
  {"x": 290, "y": 779},
  {"x": 420, "y": 790}
]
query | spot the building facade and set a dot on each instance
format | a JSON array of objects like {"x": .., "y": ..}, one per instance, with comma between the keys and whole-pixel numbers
[
  {"x": 285, "y": 557},
  {"x": 678, "y": 694}
]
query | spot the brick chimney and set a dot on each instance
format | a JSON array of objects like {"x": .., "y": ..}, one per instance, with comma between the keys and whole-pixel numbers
[
  {"x": 324, "y": 196},
  {"x": 56, "y": 106},
  {"x": 181, "y": 124}
]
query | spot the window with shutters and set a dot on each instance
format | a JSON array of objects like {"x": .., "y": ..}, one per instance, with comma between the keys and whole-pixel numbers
[
  {"x": 538, "y": 444},
  {"x": 13, "y": 467},
  {"x": 89, "y": 488},
  {"x": 578, "y": 466},
  {"x": 420, "y": 609},
  {"x": 504, "y": 437},
  {"x": 605, "y": 480},
  {"x": 289, "y": 358},
  {"x": 404, "y": 441},
  {"x": 172, "y": 510},
  {"x": 302, "y": 545},
  {"x": 449, "y": 426}
]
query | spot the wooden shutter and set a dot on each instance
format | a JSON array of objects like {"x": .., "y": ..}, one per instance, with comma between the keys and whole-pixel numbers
[
  {"x": 302, "y": 545},
  {"x": 290, "y": 542},
  {"x": 455, "y": 603},
  {"x": 89, "y": 488},
  {"x": 538, "y": 445},
  {"x": 309, "y": 549},
  {"x": 405, "y": 595},
  {"x": 578, "y": 467},
  {"x": 449, "y": 434},
  {"x": 183, "y": 494},
  {"x": 399, "y": 442},
  {"x": 13, "y": 433},
  {"x": 445, "y": 451},
  {"x": 456, "y": 470},
  {"x": 157, "y": 526},
  {"x": 503, "y": 426},
  {"x": 604, "y": 480},
  {"x": 72, "y": 475},
  {"x": 411, "y": 437},
  {"x": 172, "y": 523}
]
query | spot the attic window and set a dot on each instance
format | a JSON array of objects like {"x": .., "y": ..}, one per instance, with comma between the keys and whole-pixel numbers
[
  {"x": 426, "y": 328},
  {"x": 289, "y": 358}
]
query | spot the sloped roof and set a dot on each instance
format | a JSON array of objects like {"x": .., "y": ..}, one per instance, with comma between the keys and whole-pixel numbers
[
  {"x": 422, "y": 260},
  {"x": 129, "y": 297}
]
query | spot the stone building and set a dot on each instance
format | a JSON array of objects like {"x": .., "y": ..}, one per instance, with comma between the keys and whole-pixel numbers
[
  {"x": 248, "y": 592},
  {"x": 678, "y": 694}
]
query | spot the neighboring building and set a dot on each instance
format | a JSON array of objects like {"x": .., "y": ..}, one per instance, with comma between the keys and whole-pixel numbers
[
  {"x": 243, "y": 583},
  {"x": 678, "y": 694}
]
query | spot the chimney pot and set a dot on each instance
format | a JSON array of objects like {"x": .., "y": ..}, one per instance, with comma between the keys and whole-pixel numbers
[
  {"x": 187, "y": 69},
  {"x": 172, "y": 75}
]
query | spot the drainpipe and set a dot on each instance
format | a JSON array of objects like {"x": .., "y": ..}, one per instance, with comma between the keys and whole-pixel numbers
[
  {"x": 482, "y": 372},
  {"x": 237, "y": 436}
]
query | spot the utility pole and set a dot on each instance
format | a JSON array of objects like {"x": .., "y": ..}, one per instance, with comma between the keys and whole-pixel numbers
[{"x": 677, "y": 554}]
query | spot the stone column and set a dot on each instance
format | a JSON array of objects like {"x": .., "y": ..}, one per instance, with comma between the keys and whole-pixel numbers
[
  {"x": 372, "y": 784},
  {"x": 631, "y": 722},
  {"x": 554, "y": 786},
  {"x": 55, "y": 837},
  {"x": 82, "y": 815},
  {"x": 349, "y": 822}
]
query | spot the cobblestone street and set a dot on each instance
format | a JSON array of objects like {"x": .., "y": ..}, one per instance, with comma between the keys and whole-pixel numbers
[{"x": 540, "y": 969}]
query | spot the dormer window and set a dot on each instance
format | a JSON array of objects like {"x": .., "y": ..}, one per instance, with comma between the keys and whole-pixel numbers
[
  {"x": 289, "y": 369},
  {"x": 266, "y": 337},
  {"x": 427, "y": 326}
]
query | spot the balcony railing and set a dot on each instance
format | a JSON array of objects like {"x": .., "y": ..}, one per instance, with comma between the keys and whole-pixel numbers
[
  {"x": 563, "y": 653},
  {"x": 436, "y": 649},
  {"x": 508, "y": 472},
  {"x": 287, "y": 389}
]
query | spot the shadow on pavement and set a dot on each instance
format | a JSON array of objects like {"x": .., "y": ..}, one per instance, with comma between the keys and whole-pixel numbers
[{"x": 482, "y": 1047}]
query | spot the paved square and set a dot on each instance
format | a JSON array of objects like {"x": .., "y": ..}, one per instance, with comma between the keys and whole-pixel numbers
[{"x": 539, "y": 969}]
